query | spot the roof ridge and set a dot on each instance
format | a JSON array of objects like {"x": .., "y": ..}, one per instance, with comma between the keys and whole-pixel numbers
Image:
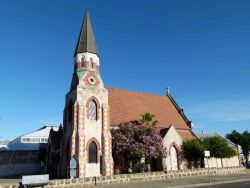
[{"x": 140, "y": 92}]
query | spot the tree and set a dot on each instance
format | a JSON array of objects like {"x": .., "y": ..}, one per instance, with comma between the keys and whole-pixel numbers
[
  {"x": 148, "y": 119},
  {"x": 193, "y": 151},
  {"x": 241, "y": 139},
  {"x": 132, "y": 140},
  {"x": 246, "y": 146},
  {"x": 235, "y": 137},
  {"x": 218, "y": 147}
]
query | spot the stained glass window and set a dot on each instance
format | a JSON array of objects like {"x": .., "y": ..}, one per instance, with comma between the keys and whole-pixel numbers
[
  {"x": 93, "y": 152},
  {"x": 92, "y": 110}
]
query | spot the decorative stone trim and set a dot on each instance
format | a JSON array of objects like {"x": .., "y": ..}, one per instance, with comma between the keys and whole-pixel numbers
[
  {"x": 87, "y": 56},
  {"x": 91, "y": 75},
  {"x": 98, "y": 148},
  {"x": 87, "y": 65},
  {"x": 173, "y": 144},
  {"x": 97, "y": 105}
]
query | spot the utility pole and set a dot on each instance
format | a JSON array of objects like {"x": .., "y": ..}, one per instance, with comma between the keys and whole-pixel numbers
[{"x": 207, "y": 155}]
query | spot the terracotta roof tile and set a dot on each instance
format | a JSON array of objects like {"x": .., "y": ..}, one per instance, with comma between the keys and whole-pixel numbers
[
  {"x": 186, "y": 134},
  {"x": 129, "y": 105}
]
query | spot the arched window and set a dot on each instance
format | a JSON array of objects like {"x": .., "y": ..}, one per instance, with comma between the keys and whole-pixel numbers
[
  {"x": 92, "y": 110},
  {"x": 82, "y": 59},
  {"x": 70, "y": 106},
  {"x": 91, "y": 62},
  {"x": 92, "y": 152}
]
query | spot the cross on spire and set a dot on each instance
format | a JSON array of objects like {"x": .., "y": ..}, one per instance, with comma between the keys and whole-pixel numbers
[{"x": 168, "y": 90}]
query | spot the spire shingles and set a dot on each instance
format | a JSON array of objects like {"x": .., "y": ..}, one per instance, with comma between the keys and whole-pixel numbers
[{"x": 86, "y": 41}]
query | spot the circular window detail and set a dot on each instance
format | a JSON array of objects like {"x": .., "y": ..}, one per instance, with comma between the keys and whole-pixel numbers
[{"x": 91, "y": 80}]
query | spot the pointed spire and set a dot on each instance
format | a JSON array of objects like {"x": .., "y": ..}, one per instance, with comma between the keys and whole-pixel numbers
[{"x": 86, "y": 41}]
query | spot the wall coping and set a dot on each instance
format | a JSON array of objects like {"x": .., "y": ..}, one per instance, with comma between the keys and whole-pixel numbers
[{"x": 122, "y": 178}]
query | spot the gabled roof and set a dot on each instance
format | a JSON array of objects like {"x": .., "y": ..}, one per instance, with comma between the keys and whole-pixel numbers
[
  {"x": 184, "y": 133},
  {"x": 86, "y": 41},
  {"x": 130, "y": 105},
  {"x": 180, "y": 110},
  {"x": 42, "y": 132}
]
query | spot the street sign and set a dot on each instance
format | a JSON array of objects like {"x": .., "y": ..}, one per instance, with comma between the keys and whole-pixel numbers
[{"x": 207, "y": 153}]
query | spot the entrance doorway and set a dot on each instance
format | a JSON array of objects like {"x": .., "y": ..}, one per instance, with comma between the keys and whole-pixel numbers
[{"x": 174, "y": 158}]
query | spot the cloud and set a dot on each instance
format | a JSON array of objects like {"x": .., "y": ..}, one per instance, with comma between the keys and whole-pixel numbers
[{"x": 221, "y": 110}]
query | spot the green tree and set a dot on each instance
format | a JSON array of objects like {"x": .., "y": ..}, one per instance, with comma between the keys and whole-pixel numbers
[
  {"x": 241, "y": 139},
  {"x": 193, "y": 151},
  {"x": 148, "y": 119},
  {"x": 235, "y": 137},
  {"x": 218, "y": 147}
]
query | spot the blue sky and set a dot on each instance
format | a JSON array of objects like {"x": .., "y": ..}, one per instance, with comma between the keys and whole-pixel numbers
[{"x": 201, "y": 49}]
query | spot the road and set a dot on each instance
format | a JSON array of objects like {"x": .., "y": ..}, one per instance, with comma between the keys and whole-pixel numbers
[
  {"x": 161, "y": 184},
  {"x": 187, "y": 182},
  {"x": 231, "y": 185}
]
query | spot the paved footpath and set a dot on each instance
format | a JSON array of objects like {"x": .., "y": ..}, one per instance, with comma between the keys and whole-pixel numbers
[
  {"x": 9, "y": 181},
  {"x": 217, "y": 181}
]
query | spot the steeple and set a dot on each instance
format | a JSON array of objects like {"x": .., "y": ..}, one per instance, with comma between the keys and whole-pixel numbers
[{"x": 86, "y": 41}]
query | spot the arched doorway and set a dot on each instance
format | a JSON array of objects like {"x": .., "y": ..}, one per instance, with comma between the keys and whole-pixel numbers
[{"x": 174, "y": 158}]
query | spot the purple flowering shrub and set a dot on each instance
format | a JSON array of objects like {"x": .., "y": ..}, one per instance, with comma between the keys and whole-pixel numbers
[{"x": 132, "y": 140}]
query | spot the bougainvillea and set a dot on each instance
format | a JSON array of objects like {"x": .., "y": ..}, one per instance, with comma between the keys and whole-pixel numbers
[{"x": 133, "y": 141}]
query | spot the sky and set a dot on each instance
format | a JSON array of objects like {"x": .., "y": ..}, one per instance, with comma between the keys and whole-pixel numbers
[{"x": 200, "y": 49}]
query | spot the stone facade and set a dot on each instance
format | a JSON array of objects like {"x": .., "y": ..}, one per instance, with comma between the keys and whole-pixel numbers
[
  {"x": 86, "y": 130},
  {"x": 81, "y": 130}
]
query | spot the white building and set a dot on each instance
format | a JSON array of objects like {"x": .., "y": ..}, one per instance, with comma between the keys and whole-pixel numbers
[
  {"x": 224, "y": 162},
  {"x": 31, "y": 141},
  {"x": 4, "y": 145}
]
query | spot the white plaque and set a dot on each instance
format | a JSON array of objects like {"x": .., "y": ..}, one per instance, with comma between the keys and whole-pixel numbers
[{"x": 207, "y": 153}]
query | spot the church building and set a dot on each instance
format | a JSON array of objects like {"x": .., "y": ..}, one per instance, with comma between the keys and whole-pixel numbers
[{"x": 82, "y": 147}]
